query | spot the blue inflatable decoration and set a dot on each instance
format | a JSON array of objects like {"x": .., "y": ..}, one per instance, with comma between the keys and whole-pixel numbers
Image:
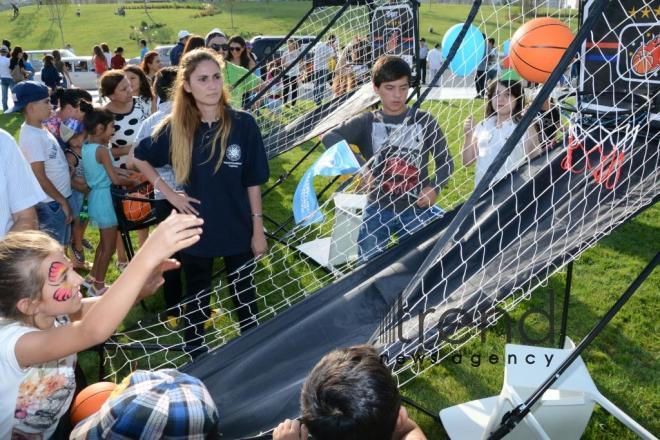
[
  {"x": 469, "y": 54},
  {"x": 505, "y": 47}
]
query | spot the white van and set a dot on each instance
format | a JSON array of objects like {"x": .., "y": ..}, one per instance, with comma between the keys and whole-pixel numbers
[
  {"x": 81, "y": 70},
  {"x": 163, "y": 52},
  {"x": 36, "y": 56}
]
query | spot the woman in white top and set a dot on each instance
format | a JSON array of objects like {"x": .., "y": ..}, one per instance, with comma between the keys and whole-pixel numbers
[
  {"x": 290, "y": 83},
  {"x": 503, "y": 111},
  {"x": 5, "y": 77}
]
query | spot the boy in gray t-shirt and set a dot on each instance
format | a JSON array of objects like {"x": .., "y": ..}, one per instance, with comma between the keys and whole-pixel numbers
[{"x": 402, "y": 192}]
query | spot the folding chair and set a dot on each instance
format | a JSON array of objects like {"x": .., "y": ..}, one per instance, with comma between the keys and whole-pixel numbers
[{"x": 562, "y": 413}]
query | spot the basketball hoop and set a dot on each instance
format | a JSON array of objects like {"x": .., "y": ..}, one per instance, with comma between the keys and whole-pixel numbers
[{"x": 600, "y": 151}]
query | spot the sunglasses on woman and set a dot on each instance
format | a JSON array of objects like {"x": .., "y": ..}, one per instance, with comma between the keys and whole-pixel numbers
[
  {"x": 219, "y": 47},
  {"x": 235, "y": 48}
]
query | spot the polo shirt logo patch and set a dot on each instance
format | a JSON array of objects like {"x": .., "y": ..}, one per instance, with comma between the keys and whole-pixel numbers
[{"x": 233, "y": 155}]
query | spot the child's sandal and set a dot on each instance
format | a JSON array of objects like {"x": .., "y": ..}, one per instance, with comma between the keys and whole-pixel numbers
[
  {"x": 88, "y": 282},
  {"x": 94, "y": 291}
]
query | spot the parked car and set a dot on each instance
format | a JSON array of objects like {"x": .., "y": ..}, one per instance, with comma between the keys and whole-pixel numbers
[
  {"x": 81, "y": 70},
  {"x": 36, "y": 56},
  {"x": 263, "y": 46},
  {"x": 163, "y": 51}
]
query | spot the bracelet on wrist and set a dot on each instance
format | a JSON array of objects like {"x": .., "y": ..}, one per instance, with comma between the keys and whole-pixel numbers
[{"x": 257, "y": 215}]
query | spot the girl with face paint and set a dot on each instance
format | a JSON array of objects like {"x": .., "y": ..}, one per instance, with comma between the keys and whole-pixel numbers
[{"x": 45, "y": 321}]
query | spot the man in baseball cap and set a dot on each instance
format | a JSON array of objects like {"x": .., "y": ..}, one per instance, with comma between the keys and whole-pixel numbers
[
  {"x": 177, "y": 51},
  {"x": 154, "y": 405}
]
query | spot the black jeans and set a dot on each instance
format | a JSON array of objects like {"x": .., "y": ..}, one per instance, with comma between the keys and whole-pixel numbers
[
  {"x": 480, "y": 82},
  {"x": 290, "y": 84},
  {"x": 320, "y": 79},
  {"x": 198, "y": 271},
  {"x": 422, "y": 71},
  {"x": 173, "y": 289}
]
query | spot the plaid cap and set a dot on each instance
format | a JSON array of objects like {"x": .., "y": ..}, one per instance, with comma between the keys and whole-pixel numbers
[
  {"x": 69, "y": 128},
  {"x": 163, "y": 404}
]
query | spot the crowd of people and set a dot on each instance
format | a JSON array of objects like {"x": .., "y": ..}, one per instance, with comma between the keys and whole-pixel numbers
[{"x": 181, "y": 129}]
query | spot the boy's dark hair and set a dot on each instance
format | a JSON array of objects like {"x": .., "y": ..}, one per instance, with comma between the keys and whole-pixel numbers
[
  {"x": 389, "y": 68},
  {"x": 72, "y": 97},
  {"x": 163, "y": 82},
  {"x": 491, "y": 41},
  {"x": 143, "y": 42},
  {"x": 119, "y": 49},
  {"x": 350, "y": 395},
  {"x": 95, "y": 117}
]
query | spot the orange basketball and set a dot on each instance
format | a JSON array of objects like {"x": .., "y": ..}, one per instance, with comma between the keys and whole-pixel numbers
[
  {"x": 537, "y": 47},
  {"x": 135, "y": 210},
  {"x": 90, "y": 400}
]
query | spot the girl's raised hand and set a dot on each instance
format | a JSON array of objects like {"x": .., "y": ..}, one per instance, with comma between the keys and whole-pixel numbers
[
  {"x": 176, "y": 232},
  {"x": 156, "y": 279},
  {"x": 468, "y": 125}
]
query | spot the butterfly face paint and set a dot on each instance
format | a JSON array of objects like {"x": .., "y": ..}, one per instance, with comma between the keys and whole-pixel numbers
[
  {"x": 56, "y": 277},
  {"x": 55, "y": 272}
]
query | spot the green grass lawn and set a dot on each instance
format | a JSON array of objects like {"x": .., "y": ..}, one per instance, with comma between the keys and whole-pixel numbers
[
  {"x": 623, "y": 360},
  {"x": 34, "y": 28}
]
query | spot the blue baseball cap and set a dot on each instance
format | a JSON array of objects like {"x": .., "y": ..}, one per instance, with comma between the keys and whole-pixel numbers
[{"x": 27, "y": 92}]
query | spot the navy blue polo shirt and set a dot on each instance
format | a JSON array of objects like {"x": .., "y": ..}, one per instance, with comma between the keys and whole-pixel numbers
[{"x": 225, "y": 206}]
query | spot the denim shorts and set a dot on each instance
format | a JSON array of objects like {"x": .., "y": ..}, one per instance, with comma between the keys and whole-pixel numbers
[
  {"x": 76, "y": 202},
  {"x": 52, "y": 221}
]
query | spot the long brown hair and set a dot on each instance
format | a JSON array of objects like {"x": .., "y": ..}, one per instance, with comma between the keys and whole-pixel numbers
[
  {"x": 21, "y": 255},
  {"x": 185, "y": 118},
  {"x": 148, "y": 58},
  {"x": 516, "y": 90},
  {"x": 193, "y": 42},
  {"x": 145, "y": 86},
  {"x": 244, "y": 58}
]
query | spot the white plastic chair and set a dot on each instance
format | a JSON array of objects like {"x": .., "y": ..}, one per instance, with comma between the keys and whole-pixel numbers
[
  {"x": 341, "y": 247},
  {"x": 562, "y": 413}
]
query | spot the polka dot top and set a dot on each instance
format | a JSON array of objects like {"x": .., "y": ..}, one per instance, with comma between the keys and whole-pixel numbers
[{"x": 127, "y": 126}]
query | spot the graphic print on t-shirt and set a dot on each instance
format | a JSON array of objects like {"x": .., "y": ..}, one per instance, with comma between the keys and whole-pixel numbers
[
  {"x": 398, "y": 157},
  {"x": 43, "y": 395},
  {"x": 233, "y": 156}
]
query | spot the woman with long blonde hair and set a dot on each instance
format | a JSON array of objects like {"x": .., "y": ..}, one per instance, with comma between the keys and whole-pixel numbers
[{"x": 218, "y": 157}]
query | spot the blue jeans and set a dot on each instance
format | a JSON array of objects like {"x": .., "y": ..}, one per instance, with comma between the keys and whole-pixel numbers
[
  {"x": 320, "y": 78},
  {"x": 378, "y": 226},
  {"x": 52, "y": 221},
  {"x": 7, "y": 86}
]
